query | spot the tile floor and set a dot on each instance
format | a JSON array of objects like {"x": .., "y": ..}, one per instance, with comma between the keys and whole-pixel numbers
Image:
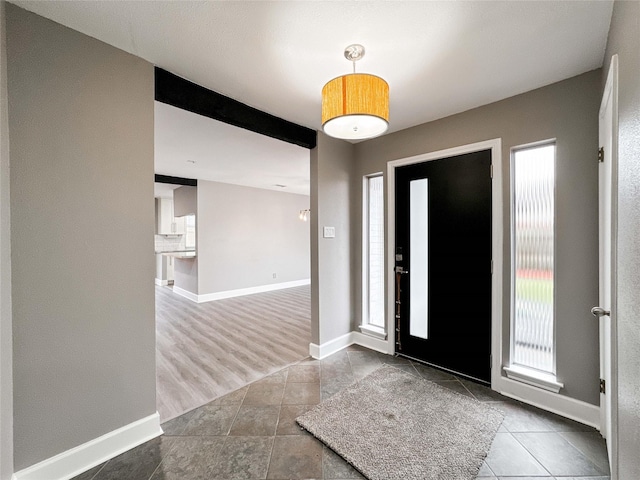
[{"x": 251, "y": 433}]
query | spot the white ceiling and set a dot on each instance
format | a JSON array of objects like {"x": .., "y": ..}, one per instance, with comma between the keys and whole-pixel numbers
[
  {"x": 192, "y": 146},
  {"x": 439, "y": 57}
]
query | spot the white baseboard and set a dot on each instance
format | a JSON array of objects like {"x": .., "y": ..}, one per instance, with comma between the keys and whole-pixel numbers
[
  {"x": 161, "y": 283},
  {"x": 185, "y": 293},
  {"x": 332, "y": 346},
  {"x": 552, "y": 402},
  {"x": 371, "y": 342},
  {"x": 79, "y": 459},
  {"x": 211, "y": 297}
]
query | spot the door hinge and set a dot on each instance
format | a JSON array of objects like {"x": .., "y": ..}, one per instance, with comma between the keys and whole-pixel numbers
[
  {"x": 492, "y": 170},
  {"x": 601, "y": 155},
  {"x": 490, "y": 362},
  {"x": 491, "y": 267},
  {"x": 603, "y": 386}
]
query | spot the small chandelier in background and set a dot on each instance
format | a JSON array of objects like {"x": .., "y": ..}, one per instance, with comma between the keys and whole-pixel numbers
[
  {"x": 304, "y": 215},
  {"x": 355, "y": 106}
]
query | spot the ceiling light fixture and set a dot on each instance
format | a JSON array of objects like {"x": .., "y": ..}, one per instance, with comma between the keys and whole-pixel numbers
[{"x": 355, "y": 106}]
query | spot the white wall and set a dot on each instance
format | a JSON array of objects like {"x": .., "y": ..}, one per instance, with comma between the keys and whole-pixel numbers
[
  {"x": 81, "y": 126},
  {"x": 245, "y": 235},
  {"x": 624, "y": 40},
  {"x": 6, "y": 354}
]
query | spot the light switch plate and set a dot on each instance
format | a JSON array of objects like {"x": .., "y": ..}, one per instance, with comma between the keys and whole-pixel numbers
[{"x": 329, "y": 232}]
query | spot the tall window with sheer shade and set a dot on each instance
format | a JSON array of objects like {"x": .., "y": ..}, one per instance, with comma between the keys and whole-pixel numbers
[
  {"x": 532, "y": 241},
  {"x": 374, "y": 251}
]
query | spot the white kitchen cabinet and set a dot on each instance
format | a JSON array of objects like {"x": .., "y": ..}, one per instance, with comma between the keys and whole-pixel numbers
[{"x": 166, "y": 223}]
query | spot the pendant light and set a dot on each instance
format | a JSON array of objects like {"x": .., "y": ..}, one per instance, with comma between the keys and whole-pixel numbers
[{"x": 355, "y": 106}]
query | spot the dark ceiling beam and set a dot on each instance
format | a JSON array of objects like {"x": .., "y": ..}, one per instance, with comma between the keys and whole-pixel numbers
[
  {"x": 181, "y": 93},
  {"x": 191, "y": 182}
]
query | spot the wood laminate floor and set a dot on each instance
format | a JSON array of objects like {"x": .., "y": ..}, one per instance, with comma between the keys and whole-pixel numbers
[{"x": 206, "y": 350}]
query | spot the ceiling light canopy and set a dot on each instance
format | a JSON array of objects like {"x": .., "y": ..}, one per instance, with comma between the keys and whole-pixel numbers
[{"x": 355, "y": 106}]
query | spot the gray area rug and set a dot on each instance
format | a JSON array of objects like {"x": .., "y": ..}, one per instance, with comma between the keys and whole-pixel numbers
[{"x": 392, "y": 425}]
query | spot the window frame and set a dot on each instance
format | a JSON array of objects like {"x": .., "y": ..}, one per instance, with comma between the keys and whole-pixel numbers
[
  {"x": 524, "y": 373},
  {"x": 366, "y": 326}
]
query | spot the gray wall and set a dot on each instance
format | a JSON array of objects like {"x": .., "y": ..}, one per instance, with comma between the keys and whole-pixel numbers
[
  {"x": 6, "y": 355},
  {"x": 81, "y": 126},
  {"x": 332, "y": 175},
  {"x": 185, "y": 201},
  {"x": 624, "y": 39},
  {"x": 245, "y": 235},
  {"x": 185, "y": 274},
  {"x": 567, "y": 111}
]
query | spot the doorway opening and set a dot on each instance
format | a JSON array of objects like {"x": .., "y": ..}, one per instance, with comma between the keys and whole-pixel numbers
[{"x": 239, "y": 307}]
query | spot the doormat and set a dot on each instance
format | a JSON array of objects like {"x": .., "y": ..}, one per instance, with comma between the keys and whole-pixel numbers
[{"x": 392, "y": 425}]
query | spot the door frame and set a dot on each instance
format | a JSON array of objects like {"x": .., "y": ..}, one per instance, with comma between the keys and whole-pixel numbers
[
  {"x": 495, "y": 145},
  {"x": 610, "y": 94}
]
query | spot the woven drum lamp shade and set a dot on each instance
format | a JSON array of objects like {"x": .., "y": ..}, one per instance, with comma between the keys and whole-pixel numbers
[{"x": 355, "y": 106}]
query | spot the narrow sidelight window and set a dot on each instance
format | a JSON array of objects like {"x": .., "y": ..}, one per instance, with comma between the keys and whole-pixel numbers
[
  {"x": 532, "y": 243},
  {"x": 373, "y": 283}
]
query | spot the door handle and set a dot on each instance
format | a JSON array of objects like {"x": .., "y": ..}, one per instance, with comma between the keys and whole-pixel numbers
[{"x": 600, "y": 312}]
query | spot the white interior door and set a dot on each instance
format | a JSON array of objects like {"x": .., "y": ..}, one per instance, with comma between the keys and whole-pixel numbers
[{"x": 605, "y": 311}]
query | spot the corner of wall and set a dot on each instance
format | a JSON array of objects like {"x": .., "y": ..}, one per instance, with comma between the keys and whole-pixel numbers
[{"x": 6, "y": 351}]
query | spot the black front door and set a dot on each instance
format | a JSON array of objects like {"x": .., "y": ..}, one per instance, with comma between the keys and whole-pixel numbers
[{"x": 443, "y": 263}]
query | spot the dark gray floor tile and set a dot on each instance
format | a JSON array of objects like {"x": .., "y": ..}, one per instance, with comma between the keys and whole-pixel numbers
[
  {"x": 89, "y": 474},
  {"x": 561, "y": 424},
  {"x": 211, "y": 420},
  {"x": 330, "y": 389},
  {"x": 557, "y": 455},
  {"x": 304, "y": 374},
  {"x": 523, "y": 418},
  {"x": 508, "y": 457},
  {"x": 482, "y": 393},
  {"x": 356, "y": 348},
  {"x": 407, "y": 368},
  {"x": 301, "y": 394},
  {"x": 393, "y": 360},
  {"x": 256, "y": 421},
  {"x": 528, "y": 478},
  {"x": 190, "y": 458},
  {"x": 590, "y": 444},
  {"x": 243, "y": 458},
  {"x": 334, "y": 466},
  {"x": 485, "y": 471},
  {"x": 264, "y": 394},
  {"x": 338, "y": 358},
  {"x": 296, "y": 457},
  {"x": 361, "y": 370},
  {"x": 339, "y": 372},
  {"x": 309, "y": 361},
  {"x": 177, "y": 425},
  {"x": 585, "y": 478},
  {"x": 277, "y": 377},
  {"x": 234, "y": 398},
  {"x": 456, "y": 386},
  {"x": 364, "y": 358},
  {"x": 138, "y": 463},
  {"x": 287, "y": 421},
  {"x": 432, "y": 374}
]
